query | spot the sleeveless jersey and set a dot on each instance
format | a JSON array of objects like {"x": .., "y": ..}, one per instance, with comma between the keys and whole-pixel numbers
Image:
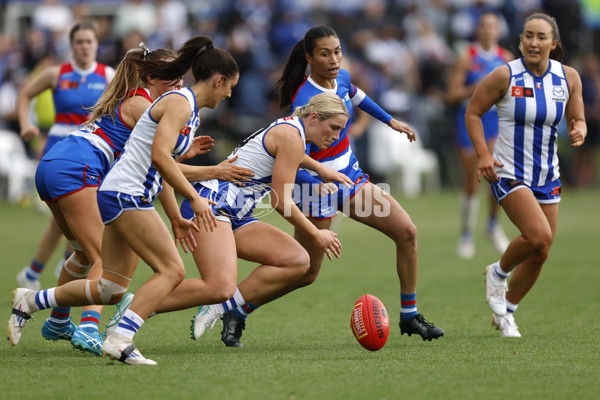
[
  {"x": 252, "y": 154},
  {"x": 110, "y": 136},
  {"x": 529, "y": 114},
  {"x": 339, "y": 155},
  {"x": 76, "y": 90},
  {"x": 481, "y": 63},
  {"x": 133, "y": 172}
]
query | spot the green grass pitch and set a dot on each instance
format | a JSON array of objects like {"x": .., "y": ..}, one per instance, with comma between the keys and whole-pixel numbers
[{"x": 301, "y": 346}]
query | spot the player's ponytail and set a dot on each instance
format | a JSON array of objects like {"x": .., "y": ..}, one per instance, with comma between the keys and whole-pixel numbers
[
  {"x": 294, "y": 71},
  {"x": 126, "y": 78},
  {"x": 293, "y": 75},
  {"x": 198, "y": 55}
]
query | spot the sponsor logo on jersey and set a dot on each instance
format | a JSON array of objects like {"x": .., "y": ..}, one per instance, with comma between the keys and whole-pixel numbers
[
  {"x": 558, "y": 93},
  {"x": 96, "y": 86},
  {"x": 538, "y": 85},
  {"x": 67, "y": 84},
  {"x": 519, "y": 91}
]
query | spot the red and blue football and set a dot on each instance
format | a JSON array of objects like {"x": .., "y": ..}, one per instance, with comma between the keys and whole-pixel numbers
[{"x": 370, "y": 323}]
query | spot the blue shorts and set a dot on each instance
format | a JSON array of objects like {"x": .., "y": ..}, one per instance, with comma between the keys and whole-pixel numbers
[
  {"x": 51, "y": 141},
  {"x": 222, "y": 210},
  {"x": 320, "y": 207},
  {"x": 112, "y": 204},
  {"x": 55, "y": 179},
  {"x": 490, "y": 129},
  {"x": 547, "y": 194}
]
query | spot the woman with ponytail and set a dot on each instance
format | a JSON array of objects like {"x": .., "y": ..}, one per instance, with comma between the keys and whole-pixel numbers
[
  {"x": 532, "y": 94},
  {"x": 320, "y": 194},
  {"x": 69, "y": 173},
  {"x": 133, "y": 228}
]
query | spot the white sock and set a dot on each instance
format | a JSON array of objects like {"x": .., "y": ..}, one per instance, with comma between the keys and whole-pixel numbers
[{"x": 469, "y": 208}]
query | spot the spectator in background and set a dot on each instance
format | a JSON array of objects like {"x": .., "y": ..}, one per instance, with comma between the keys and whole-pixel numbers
[
  {"x": 585, "y": 160},
  {"x": 135, "y": 15}
]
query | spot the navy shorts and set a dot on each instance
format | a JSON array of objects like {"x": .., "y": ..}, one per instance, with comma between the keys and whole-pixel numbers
[
  {"x": 222, "y": 210},
  {"x": 320, "y": 207},
  {"x": 112, "y": 204},
  {"x": 547, "y": 194}
]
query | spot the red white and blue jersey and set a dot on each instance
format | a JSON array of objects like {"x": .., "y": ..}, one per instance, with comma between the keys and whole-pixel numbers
[
  {"x": 339, "y": 155},
  {"x": 77, "y": 90},
  {"x": 481, "y": 63},
  {"x": 529, "y": 114},
  {"x": 110, "y": 135},
  {"x": 239, "y": 201},
  {"x": 133, "y": 172}
]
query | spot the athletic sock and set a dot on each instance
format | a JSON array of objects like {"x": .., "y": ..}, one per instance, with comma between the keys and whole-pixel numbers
[
  {"x": 510, "y": 307},
  {"x": 233, "y": 303},
  {"x": 491, "y": 224},
  {"x": 129, "y": 324},
  {"x": 34, "y": 270},
  {"x": 408, "y": 305},
  {"x": 60, "y": 317},
  {"x": 45, "y": 299},
  {"x": 89, "y": 321},
  {"x": 244, "y": 310},
  {"x": 499, "y": 272},
  {"x": 469, "y": 207}
]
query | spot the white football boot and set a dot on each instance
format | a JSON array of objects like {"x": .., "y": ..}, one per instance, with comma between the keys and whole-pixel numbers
[
  {"x": 506, "y": 325},
  {"x": 498, "y": 238},
  {"x": 204, "y": 320},
  {"x": 23, "y": 282},
  {"x": 120, "y": 348},
  {"x": 21, "y": 313},
  {"x": 466, "y": 247},
  {"x": 495, "y": 292}
]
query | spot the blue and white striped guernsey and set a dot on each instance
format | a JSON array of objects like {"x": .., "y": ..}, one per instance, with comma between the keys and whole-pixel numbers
[
  {"x": 529, "y": 114},
  {"x": 133, "y": 172}
]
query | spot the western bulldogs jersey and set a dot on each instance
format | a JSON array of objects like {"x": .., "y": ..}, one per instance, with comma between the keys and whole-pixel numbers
[
  {"x": 133, "y": 172},
  {"x": 481, "y": 63},
  {"x": 529, "y": 115},
  {"x": 253, "y": 154},
  {"x": 76, "y": 90},
  {"x": 339, "y": 155},
  {"x": 110, "y": 135}
]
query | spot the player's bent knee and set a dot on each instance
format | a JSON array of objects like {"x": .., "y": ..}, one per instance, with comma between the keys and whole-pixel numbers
[
  {"x": 75, "y": 268},
  {"x": 110, "y": 292}
]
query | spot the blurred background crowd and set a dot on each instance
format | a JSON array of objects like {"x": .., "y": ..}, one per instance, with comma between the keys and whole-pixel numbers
[{"x": 398, "y": 51}]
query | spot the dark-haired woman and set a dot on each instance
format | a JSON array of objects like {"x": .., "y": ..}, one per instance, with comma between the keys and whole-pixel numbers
[
  {"x": 76, "y": 85},
  {"x": 532, "y": 94},
  {"x": 364, "y": 201},
  {"x": 133, "y": 228}
]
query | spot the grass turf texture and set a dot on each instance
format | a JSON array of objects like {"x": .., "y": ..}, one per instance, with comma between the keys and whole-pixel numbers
[{"x": 301, "y": 346}]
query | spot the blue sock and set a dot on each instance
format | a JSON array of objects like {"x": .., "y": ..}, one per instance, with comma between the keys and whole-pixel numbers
[
  {"x": 408, "y": 305},
  {"x": 244, "y": 310},
  {"x": 89, "y": 321},
  {"x": 60, "y": 317},
  {"x": 34, "y": 270}
]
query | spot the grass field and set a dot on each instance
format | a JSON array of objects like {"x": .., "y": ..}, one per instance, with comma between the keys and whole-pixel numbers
[{"x": 301, "y": 347}]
